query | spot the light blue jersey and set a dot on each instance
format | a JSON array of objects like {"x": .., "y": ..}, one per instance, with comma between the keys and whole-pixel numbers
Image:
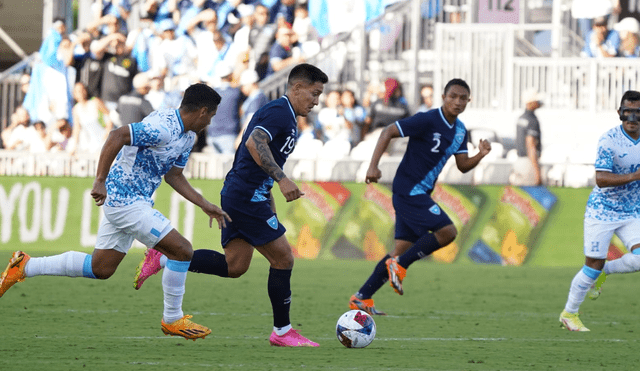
[
  {"x": 619, "y": 154},
  {"x": 158, "y": 143}
]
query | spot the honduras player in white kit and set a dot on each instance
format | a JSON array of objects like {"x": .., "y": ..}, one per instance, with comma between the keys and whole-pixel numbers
[
  {"x": 144, "y": 152},
  {"x": 613, "y": 207}
]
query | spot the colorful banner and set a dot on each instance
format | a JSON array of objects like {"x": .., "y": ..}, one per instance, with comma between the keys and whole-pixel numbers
[
  {"x": 498, "y": 225},
  {"x": 509, "y": 235}
]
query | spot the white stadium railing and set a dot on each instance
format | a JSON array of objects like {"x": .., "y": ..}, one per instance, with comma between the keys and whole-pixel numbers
[{"x": 346, "y": 169}]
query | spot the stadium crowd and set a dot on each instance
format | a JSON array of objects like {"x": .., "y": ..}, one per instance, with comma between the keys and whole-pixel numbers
[{"x": 106, "y": 75}]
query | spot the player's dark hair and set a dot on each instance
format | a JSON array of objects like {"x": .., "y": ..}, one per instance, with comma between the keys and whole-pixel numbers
[
  {"x": 459, "y": 82},
  {"x": 631, "y": 96},
  {"x": 307, "y": 73},
  {"x": 200, "y": 95}
]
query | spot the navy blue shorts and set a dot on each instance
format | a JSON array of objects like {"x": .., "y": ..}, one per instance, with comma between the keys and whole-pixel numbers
[
  {"x": 253, "y": 222},
  {"x": 417, "y": 216}
]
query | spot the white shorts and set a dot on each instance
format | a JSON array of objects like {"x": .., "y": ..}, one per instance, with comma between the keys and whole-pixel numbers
[
  {"x": 598, "y": 234},
  {"x": 121, "y": 225}
]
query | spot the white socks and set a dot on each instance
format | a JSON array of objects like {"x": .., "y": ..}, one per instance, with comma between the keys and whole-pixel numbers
[
  {"x": 579, "y": 287},
  {"x": 69, "y": 264},
  {"x": 282, "y": 330},
  {"x": 626, "y": 264},
  {"x": 174, "y": 277}
]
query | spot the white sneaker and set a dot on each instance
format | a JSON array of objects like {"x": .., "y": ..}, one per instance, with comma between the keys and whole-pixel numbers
[{"x": 571, "y": 321}]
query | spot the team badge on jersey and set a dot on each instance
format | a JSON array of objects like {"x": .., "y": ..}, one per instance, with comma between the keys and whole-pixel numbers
[
  {"x": 273, "y": 222},
  {"x": 435, "y": 210}
]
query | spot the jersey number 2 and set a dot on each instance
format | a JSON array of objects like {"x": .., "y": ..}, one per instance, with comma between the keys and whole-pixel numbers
[{"x": 436, "y": 138}]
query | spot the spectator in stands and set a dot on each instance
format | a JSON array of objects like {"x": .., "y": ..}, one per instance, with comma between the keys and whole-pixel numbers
[
  {"x": 160, "y": 10},
  {"x": 628, "y": 29},
  {"x": 175, "y": 57},
  {"x": 91, "y": 121},
  {"x": 212, "y": 49},
  {"x": 283, "y": 53},
  {"x": 306, "y": 131},
  {"x": 140, "y": 41},
  {"x": 526, "y": 170},
  {"x": 586, "y": 11},
  {"x": 305, "y": 34},
  {"x": 119, "y": 9},
  {"x": 40, "y": 140},
  {"x": 105, "y": 25},
  {"x": 88, "y": 67},
  {"x": 118, "y": 68},
  {"x": 261, "y": 38},
  {"x": 60, "y": 135},
  {"x": 282, "y": 9},
  {"x": 133, "y": 107},
  {"x": 25, "y": 80},
  {"x": 48, "y": 93},
  {"x": 354, "y": 115},
  {"x": 17, "y": 135},
  {"x": 225, "y": 125},
  {"x": 156, "y": 95},
  {"x": 255, "y": 97},
  {"x": 191, "y": 12},
  {"x": 331, "y": 121},
  {"x": 390, "y": 108},
  {"x": 601, "y": 41},
  {"x": 426, "y": 95},
  {"x": 241, "y": 35}
]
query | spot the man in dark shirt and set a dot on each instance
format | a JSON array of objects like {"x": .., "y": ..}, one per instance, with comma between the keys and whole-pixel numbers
[
  {"x": 118, "y": 70},
  {"x": 133, "y": 107},
  {"x": 526, "y": 170},
  {"x": 391, "y": 107}
]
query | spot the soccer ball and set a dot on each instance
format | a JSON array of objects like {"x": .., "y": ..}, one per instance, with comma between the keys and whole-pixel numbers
[{"x": 355, "y": 329}]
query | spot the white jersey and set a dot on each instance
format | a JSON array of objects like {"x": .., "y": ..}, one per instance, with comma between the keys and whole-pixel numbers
[
  {"x": 619, "y": 154},
  {"x": 158, "y": 143}
]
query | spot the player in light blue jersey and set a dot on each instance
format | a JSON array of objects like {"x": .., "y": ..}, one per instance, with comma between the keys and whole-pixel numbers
[
  {"x": 422, "y": 227},
  {"x": 144, "y": 152},
  {"x": 268, "y": 140},
  {"x": 613, "y": 207}
]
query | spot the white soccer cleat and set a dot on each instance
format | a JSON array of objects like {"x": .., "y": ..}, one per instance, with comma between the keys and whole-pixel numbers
[{"x": 572, "y": 322}]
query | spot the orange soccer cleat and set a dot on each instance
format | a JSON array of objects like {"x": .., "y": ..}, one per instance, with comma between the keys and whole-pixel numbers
[{"x": 14, "y": 271}]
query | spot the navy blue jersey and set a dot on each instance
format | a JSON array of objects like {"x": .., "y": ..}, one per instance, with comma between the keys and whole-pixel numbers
[
  {"x": 246, "y": 180},
  {"x": 432, "y": 140}
]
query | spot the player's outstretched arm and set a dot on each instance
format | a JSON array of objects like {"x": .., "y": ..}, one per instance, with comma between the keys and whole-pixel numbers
[
  {"x": 389, "y": 132},
  {"x": 466, "y": 163},
  {"x": 115, "y": 141},
  {"x": 609, "y": 179},
  {"x": 258, "y": 146},
  {"x": 176, "y": 179}
]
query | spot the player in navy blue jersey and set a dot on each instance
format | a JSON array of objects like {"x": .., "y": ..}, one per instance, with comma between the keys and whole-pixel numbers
[
  {"x": 246, "y": 196},
  {"x": 422, "y": 227}
]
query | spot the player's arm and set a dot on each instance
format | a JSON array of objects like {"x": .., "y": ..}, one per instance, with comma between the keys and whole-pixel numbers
[
  {"x": 176, "y": 179},
  {"x": 258, "y": 146},
  {"x": 389, "y": 132},
  {"x": 115, "y": 141},
  {"x": 466, "y": 163},
  {"x": 609, "y": 179}
]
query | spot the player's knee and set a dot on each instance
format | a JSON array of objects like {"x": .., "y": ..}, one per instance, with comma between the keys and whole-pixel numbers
[
  {"x": 446, "y": 235},
  {"x": 183, "y": 253},
  {"x": 237, "y": 271},
  {"x": 102, "y": 273},
  {"x": 285, "y": 262}
]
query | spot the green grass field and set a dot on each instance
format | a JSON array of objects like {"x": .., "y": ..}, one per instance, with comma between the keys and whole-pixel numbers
[{"x": 452, "y": 317}]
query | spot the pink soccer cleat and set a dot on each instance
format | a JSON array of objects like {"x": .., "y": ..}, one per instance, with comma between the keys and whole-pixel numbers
[
  {"x": 149, "y": 266},
  {"x": 291, "y": 339}
]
